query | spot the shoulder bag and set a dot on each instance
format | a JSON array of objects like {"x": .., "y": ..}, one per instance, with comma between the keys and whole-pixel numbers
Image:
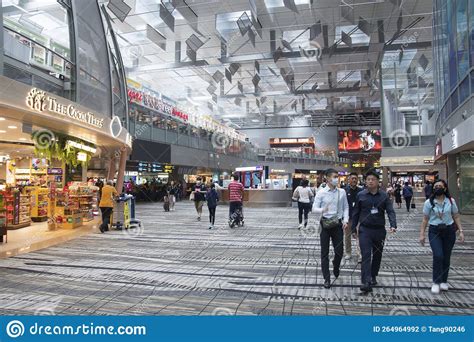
[{"x": 332, "y": 222}]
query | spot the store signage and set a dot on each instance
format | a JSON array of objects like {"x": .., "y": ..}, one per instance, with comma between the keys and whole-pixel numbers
[
  {"x": 292, "y": 142},
  {"x": 454, "y": 139},
  {"x": 81, "y": 146},
  {"x": 168, "y": 168},
  {"x": 249, "y": 168},
  {"x": 40, "y": 102},
  {"x": 428, "y": 161},
  {"x": 278, "y": 171},
  {"x": 55, "y": 171}
]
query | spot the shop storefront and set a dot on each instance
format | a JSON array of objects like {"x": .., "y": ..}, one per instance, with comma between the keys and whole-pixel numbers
[{"x": 47, "y": 143}]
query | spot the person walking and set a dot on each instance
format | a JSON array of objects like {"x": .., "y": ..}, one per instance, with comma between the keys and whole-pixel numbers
[
  {"x": 351, "y": 192},
  {"x": 331, "y": 202},
  {"x": 369, "y": 211},
  {"x": 106, "y": 204},
  {"x": 407, "y": 195},
  {"x": 303, "y": 194},
  {"x": 236, "y": 196},
  {"x": 441, "y": 213},
  {"x": 212, "y": 198},
  {"x": 398, "y": 195},
  {"x": 428, "y": 189},
  {"x": 172, "y": 195},
  {"x": 199, "y": 195}
]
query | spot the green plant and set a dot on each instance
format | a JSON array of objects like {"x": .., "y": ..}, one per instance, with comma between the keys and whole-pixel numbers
[{"x": 58, "y": 148}]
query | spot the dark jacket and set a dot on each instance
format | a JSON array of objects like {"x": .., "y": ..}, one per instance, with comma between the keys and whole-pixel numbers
[
  {"x": 363, "y": 210},
  {"x": 352, "y": 197},
  {"x": 199, "y": 192},
  {"x": 212, "y": 198},
  {"x": 407, "y": 191}
]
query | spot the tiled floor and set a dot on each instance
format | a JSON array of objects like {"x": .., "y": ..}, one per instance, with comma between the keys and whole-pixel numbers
[{"x": 176, "y": 266}]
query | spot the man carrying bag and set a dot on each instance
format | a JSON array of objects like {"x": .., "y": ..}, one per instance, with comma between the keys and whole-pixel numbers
[{"x": 331, "y": 202}]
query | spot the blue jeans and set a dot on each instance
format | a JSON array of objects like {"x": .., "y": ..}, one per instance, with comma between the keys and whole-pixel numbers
[{"x": 442, "y": 243}]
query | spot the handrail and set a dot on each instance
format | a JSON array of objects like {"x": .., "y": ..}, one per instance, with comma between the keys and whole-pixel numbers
[{"x": 39, "y": 44}]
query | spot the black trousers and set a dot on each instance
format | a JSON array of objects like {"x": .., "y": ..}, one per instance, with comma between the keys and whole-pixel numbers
[
  {"x": 408, "y": 202},
  {"x": 212, "y": 215},
  {"x": 303, "y": 208},
  {"x": 337, "y": 237},
  {"x": 235, "y": 211},
  {"x": 106, "y": 212},
  {"x": 371, "y": 243}
]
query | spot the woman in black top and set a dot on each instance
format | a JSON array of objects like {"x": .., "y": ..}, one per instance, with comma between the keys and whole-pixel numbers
[
  {"x": 212, "y": 198},
  {"x": 398, "y": 195}
]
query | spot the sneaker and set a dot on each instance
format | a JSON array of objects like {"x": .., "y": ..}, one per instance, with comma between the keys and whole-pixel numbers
[
  {"x": 444, "y": 286},
  {"x": 366, "y": 288},
  {"x": 435, "y": 289},
  {"x": 348, "y": 257},
  {"x": 199, "y": 218},
  {"x": 359, "y": 259},
  {"x": 210, "y": 227},
  {"x": 300, "y": 226}
]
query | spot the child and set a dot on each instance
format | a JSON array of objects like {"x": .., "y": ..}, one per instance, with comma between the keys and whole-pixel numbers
[
  {"x": 212, "y": 198},
  {"x": 166, "y": 204}
]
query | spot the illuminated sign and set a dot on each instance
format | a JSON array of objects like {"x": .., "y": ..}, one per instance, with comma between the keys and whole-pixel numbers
[
  {"x": 81, "y": 146},
  {"x": 292, "y": 142},
  {"x": 40, "y": 102},
  {"x": 249, "y": 168}
]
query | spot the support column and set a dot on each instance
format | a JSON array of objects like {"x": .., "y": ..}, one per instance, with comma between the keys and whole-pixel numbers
[
  {"x": 384, "y": 177},
  {"x": 84, "y": 173},
  {"x": 452, "y": 179},
  {"x": 112, "y": 169},
  {"x": 121, "y": 170}
]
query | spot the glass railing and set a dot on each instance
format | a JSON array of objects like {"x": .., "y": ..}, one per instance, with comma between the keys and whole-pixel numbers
[
  {"x": 271, "y": 153},
  {"x": 34, "y": 55},
  {"x": 193, "y": 138}
]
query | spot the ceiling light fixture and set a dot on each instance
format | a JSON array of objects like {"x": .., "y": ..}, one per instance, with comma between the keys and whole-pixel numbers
[
  {"x": 12, "y": 127},
  {"x": 2, "y": 131},
  {"x": 2, "y": 119},
  {"x": 22, "y": 139}
]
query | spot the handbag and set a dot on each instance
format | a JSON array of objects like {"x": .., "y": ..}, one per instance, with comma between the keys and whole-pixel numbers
[
  {"x": 332, "y": 222},
  {"x": 413, "y": 205},
  {"x": 191, "y": 196},
  {"x": 296, "y": 195}
]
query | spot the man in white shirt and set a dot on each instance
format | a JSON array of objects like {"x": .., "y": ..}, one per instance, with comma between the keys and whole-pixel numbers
[{"x": 331, "y": 202}]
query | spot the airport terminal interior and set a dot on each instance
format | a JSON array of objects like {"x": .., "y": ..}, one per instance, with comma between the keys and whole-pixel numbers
[{"x": 237, "y": 157}]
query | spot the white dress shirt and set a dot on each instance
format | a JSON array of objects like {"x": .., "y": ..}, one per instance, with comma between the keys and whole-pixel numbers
[{"x": 329, "y": 198}]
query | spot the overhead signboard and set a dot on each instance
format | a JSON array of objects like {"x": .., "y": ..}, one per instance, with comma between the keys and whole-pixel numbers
[{"x": 291, "y": 142}]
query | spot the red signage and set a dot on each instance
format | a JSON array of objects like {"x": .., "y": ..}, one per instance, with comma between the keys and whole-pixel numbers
[{"x": 153, "y": 102}]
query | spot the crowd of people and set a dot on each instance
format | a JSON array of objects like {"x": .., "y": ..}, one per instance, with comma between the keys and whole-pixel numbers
[
  {"x": 347, "y": 214},
  {"x": 355, "y": 213}
]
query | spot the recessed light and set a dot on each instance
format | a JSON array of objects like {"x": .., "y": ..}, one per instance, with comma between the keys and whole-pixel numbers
[
  {"x": 22, "y": 139},
  {"x": 12, "y": 127},
  {"x": 2, "y": 131},
  {"x": 2, "y": 119},
  {"x": 255, "y": 120}
]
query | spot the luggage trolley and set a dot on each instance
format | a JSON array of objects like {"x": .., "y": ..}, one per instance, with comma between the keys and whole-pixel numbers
[{"x": 124, "y": 213}]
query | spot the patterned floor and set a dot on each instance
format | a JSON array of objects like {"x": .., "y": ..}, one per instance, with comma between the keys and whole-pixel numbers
[{"x": 176, "y": 266}]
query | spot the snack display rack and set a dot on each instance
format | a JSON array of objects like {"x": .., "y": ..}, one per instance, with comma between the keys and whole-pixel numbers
[
  {"x": 16, "y": 209},
  {"x": 76, "y": 205},
  {"x": 3, "y": 218},
  {"x": 39, "y": 203}
]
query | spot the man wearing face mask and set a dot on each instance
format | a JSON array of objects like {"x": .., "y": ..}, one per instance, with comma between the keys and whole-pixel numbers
[
  {"x": 351, "y": 190},
  {"x": 199, "y": 191},
  {"x": 370, "y": 208},
  {"x": 331, "y": 202}
]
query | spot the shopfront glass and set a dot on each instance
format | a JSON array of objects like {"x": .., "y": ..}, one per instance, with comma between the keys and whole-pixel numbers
[
  {"x": 453, "y": 45},
  {"x": 466, "y": 182}
]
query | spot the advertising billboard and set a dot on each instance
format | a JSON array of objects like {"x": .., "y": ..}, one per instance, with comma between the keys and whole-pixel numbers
[{"x": 359, "y": 141}]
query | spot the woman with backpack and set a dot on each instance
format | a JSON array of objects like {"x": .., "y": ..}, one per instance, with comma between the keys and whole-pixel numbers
[
  {"x": 303, "y": 194},
  {"x": 441, "y": 213}
]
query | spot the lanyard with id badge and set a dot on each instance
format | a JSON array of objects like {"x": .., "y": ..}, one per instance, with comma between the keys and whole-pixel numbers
[{"x": 374, "y": 209}]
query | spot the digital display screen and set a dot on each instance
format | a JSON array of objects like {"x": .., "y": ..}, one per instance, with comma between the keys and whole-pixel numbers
[{"x": 359, "y": 141}]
